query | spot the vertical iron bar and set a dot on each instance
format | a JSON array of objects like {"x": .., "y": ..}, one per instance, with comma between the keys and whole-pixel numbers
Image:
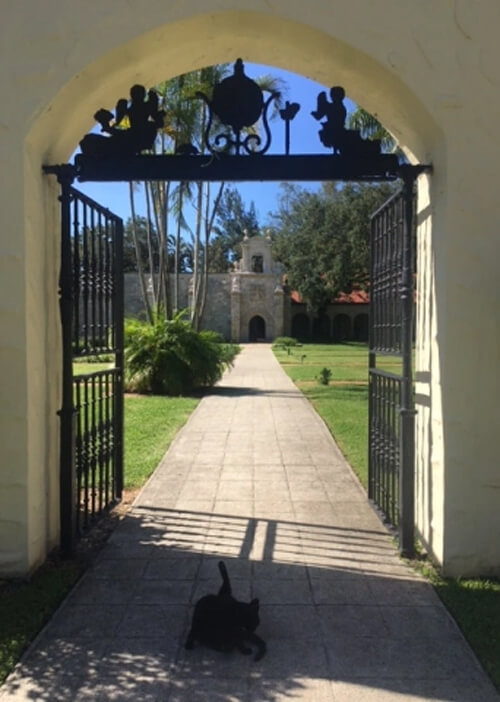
[
  {"x": 407, "y": 410},
  {"x": 118, "y": 310},
  {"x": 67, "y": 477},
  {"x": 93, "y": 270},
  {"x": 86, "y": 278}
]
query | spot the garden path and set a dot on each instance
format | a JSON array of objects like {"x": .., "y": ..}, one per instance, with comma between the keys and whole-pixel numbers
[{"x": 255, "y": 478}]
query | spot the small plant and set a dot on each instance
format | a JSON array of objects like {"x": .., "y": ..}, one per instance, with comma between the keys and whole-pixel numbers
[
  {"x": 324, "y": 376},
  {"x": 285, "y": 342}
]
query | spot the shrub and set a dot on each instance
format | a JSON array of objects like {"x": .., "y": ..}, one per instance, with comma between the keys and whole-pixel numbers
[
  {"x": 285, "y": 341},
  {"x": 169, "y": 357},
  {"x": 324, "y": 376}
]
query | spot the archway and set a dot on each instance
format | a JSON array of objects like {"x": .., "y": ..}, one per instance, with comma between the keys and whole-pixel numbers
[
  {"x": 257, "y": 328},
  {"x": 341, "y": 327},
  {"x": 361, "y": 327},
  {"x": 321, "y": 328},
  {"x": 395, "y": 75},
  {"x": 301, "y": 326}
]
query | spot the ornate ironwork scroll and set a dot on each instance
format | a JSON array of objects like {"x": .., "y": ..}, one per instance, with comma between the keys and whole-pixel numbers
[
  {"x": 238, "y": 102},
  {"x": 238, "y": 122}
]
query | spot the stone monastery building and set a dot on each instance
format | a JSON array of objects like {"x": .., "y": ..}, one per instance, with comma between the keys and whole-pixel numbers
[{"x": 251, "y": 303}]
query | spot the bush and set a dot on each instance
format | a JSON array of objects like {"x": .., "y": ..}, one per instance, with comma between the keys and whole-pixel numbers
[
  {"x": 324, "y": 376},
  {"x": 285, "y": 341},
  {"x": 169, "y": 357}
]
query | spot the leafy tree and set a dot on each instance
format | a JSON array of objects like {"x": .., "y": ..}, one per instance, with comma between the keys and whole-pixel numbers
[
  {"x": 184, "y": 128},
  {"x": 322, "y": 238},
  {"x": 232, "y": 220}
]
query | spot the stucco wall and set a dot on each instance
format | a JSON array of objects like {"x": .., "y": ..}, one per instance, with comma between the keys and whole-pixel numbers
[{"x": 428, "y": 69}]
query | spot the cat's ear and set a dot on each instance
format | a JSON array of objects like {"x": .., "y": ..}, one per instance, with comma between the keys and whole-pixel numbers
[{"x": 255, "y": 603}]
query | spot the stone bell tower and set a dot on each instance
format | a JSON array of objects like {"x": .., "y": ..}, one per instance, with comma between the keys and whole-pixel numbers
[{"x": 257, "y": 297}]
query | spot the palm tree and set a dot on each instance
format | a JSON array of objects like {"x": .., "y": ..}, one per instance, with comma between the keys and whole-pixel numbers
[
  {"x": 185, "y": 123},
  {"x": 370, "y": 128}
]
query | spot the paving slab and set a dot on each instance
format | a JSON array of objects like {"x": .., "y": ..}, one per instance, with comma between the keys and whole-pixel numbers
[{"x": 254, "y": 477}]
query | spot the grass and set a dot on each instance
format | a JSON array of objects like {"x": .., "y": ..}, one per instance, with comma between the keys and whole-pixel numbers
[
  {"x": 343, "y": 404},
  {"x": 26, "y": 607},
  {"x": 474, "y": 603},
  {"x": 150, "y": 425}
]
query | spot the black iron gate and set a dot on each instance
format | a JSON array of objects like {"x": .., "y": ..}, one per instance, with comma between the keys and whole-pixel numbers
[
  {"x": 91, "y": 305},
  {"x": 91, "y": 294},
  {"x": 391, "y": 408}
]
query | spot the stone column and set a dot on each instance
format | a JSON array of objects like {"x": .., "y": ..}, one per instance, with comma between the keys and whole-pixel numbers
[
  {"x": 279, "y": 310},
  {"x": 235, "y": 308}
]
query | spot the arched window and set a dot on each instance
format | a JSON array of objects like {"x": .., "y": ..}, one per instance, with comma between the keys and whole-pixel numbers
[{"x": 257, "y": 264}]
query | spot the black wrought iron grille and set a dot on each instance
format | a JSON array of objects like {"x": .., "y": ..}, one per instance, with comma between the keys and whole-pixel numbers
[
  {"x": 92, "y": 295},
  {"x": 384, "y": 442},
  {"x": 94, "y": 239},
  {"x": 96, "y": 441},
  {"x": 386, "y": 266},
  {"x": 391, "y": 412}
]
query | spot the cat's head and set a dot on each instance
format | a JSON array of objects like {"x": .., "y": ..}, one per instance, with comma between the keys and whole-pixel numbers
[{"x": 252, "y": 615}]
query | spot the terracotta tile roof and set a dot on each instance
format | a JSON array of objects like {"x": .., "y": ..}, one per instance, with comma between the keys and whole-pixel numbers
[{"x": 355, "y": 297}]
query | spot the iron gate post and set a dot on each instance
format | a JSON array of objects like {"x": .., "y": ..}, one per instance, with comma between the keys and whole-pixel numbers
[
  {"x": 407, "y": 407},
  {"x": 119, "y": 359},
  {"x": 67, "y": 465}
]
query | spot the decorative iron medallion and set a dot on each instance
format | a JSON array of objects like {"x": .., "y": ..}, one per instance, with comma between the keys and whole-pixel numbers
[{"x": 238, "y": 102}]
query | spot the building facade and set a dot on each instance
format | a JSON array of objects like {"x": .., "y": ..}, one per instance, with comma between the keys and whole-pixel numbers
[{"x": 251, "y": 303}]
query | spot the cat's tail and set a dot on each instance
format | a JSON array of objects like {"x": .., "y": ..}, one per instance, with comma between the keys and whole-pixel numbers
[{"x": 226, "y": 585}]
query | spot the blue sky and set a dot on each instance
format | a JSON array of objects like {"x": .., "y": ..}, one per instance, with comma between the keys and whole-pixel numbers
[{"x": 304, "y": 140}]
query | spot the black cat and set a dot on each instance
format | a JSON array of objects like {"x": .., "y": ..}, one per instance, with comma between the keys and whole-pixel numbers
[{"x": 223, "y": 623}]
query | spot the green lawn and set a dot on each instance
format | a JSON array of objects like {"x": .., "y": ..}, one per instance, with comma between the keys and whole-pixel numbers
[
  {"x": 151, "y": 422},
  {"x": 343, "y": 404}
]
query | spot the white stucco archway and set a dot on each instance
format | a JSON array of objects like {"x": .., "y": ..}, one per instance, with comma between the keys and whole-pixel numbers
[{"x": 426, "y": 69}]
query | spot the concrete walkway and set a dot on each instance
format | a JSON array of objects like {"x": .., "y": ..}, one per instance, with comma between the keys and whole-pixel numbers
[{"x": 255, "y": 478}]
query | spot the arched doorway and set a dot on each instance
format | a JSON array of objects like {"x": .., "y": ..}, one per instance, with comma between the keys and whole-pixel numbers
[
  {"x": 257, "y": 328},
  {"x": 300, "y": 326},
  {"x": 164, "y": 39},
  {"x": 341, "y": 327},
  {"x": 120, "y": 156},
  {"x": 321, "y": 328},
  {"x": 361, "y": 327}
]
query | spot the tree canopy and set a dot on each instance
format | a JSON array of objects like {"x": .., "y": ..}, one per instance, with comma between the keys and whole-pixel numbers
[
  {"x": 323, "y": 238},
  {"x": 233, "y": 218}
]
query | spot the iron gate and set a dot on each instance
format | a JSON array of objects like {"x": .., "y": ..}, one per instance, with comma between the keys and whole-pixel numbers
[
  {"x": 391, "y": 409},
  {"x": 91, "y": 294},
  {"x": 91, "y": 306}
]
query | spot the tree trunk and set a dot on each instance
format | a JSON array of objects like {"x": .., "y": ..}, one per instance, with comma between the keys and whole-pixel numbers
[{"x": 140, "y": 270}]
